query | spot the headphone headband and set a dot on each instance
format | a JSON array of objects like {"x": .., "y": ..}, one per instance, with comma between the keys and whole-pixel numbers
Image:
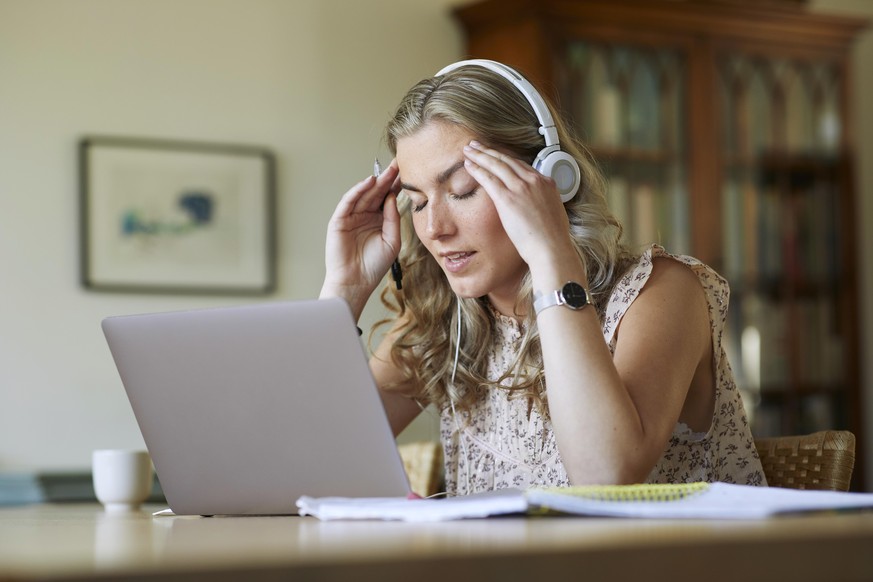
[{"x": 547, "y": 124}]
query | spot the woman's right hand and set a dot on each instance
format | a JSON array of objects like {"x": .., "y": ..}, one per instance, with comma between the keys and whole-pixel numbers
[{"x": 363, "y": 239}]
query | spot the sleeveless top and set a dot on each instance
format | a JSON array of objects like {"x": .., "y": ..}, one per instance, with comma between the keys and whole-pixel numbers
[{"x": 506, "y": 442}]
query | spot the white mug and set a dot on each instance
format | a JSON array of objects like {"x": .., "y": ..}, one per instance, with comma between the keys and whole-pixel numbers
[{"x": 122, "y": 478}]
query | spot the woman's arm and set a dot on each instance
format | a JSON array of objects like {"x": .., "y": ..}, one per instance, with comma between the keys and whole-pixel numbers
[
  {"x": 612, "y": 416},
  {"x": 398, "y": 395},
  {"x": 363, "y": 238}
]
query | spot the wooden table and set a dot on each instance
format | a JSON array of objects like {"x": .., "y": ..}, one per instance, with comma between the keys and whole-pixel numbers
[{"x": 81, "y": 542}]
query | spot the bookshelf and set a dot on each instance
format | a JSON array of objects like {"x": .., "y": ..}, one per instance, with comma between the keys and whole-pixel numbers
[{"x": 725, "y": 130}]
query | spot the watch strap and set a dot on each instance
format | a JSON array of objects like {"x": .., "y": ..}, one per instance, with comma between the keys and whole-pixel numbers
[
  {"x": 550, "y": 299},
  {"x": 557, "y": 297}
]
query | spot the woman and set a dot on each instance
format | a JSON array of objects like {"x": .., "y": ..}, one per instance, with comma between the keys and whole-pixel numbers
[{"x": 534, "y": 386}]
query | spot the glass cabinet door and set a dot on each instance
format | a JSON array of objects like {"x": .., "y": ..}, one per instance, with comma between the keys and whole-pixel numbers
[
  {"x": 779, "y": 134},
  {"x": 628, "y": 106},
  {"x": 781, "y": 197}
]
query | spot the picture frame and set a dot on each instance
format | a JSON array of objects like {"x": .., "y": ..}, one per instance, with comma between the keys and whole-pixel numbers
[{"x": 165, "y": 216}]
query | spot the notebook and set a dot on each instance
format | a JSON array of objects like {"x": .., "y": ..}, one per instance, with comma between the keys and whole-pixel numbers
[{"x": 245, "y": 409}]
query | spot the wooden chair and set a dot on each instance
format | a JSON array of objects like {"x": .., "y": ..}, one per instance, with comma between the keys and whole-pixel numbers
[
  {"x": 423, "y": 461},
  {"x": 822, "y": 460}
]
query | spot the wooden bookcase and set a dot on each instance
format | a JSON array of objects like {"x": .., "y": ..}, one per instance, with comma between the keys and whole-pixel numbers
[{"x": 726, "y": 132}]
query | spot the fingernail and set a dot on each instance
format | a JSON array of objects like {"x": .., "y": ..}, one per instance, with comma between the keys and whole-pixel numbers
[{"x": 475, "y": 144}]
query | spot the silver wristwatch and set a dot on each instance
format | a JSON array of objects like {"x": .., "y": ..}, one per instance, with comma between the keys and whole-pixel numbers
[{"x": 572, "y": 295}]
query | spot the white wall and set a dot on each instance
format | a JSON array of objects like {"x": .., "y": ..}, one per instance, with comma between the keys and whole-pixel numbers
[{"x": 314, "y": 80}]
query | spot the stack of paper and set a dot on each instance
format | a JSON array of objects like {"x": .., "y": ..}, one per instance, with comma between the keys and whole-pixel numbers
[{"x": 693, "y": 501}]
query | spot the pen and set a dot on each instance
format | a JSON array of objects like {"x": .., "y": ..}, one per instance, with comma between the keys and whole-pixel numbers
[{"x": 396, "y": 270}]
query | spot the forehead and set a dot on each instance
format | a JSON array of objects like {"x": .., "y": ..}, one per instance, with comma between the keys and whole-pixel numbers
[{"x": 431, "y": 150}]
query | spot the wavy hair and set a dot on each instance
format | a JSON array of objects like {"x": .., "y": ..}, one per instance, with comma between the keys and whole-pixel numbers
[{"x": 490, "y": 107}]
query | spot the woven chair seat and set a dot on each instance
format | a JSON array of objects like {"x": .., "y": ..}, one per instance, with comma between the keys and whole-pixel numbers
[{"x": 822, "y": 460}]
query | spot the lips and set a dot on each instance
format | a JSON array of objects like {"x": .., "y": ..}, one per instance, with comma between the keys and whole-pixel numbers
[{"x": 456, "y": 261}]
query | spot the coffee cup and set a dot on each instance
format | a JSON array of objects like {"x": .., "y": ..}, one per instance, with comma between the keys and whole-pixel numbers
[{"x": 122, "y": 478}]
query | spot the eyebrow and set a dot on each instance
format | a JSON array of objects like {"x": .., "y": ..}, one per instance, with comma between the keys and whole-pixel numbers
[{"x": 441, "y": 178}]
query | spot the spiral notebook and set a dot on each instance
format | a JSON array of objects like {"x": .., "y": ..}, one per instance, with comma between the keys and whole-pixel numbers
[{"x": 656, "y": 501}]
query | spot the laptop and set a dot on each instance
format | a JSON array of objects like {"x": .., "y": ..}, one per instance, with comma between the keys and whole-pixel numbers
[{"x": 245, "y": 409}]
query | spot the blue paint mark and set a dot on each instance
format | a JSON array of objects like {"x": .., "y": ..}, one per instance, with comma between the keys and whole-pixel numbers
[{"x": 199, "y": 206}]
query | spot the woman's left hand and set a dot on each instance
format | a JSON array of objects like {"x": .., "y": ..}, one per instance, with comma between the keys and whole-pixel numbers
[{"x": 526, "y": 201}]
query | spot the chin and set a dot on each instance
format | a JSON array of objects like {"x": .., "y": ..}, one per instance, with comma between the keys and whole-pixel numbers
[{"x": 466, "y": 291}]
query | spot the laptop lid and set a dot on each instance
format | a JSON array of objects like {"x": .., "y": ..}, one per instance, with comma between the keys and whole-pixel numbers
[{"x": 245, "y": 409}]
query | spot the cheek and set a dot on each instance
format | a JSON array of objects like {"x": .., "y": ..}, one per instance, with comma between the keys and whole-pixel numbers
[
  {"x": 487, "y": 222},
  {"x": 419, "y": 225}
]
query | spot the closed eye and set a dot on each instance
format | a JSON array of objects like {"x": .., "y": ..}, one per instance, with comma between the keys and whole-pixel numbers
[
  {"x": 419, "y": 207},
  {"x": 464, "y": 196}
]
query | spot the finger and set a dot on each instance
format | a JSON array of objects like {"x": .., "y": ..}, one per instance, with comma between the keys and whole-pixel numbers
[
  {"x": 483, "y": 175},
  {"x": 373, "y": 199},
  {"x": 505, "y": 167},
  {"x": 391, "y": 224},
  {"x": 495, "y": 174},
  {"x": 395, "y": 189},
  {"x": 486, "y": 179},
  {"x": 350, "y": 198},
  {"x": 395, "y": 186}
]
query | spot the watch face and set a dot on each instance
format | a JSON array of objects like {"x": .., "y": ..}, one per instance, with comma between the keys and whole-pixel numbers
[{"x": 574, "y": 295}]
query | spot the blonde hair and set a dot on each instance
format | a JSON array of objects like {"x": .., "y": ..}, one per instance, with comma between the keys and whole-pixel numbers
[{"x": 492, "y": 109}]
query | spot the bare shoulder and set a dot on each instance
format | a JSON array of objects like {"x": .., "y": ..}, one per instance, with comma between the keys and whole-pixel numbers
[
  {"x": 669, "y": 272},
  {"x": 665, "y": 332},
  {"x": 673, "y": 292}
]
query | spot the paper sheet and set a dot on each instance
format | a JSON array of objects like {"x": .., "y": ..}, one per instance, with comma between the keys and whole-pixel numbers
[{"x": 718, "y": 501}]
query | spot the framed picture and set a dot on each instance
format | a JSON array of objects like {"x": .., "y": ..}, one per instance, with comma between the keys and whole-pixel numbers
[{"x": 177, "y": 217}]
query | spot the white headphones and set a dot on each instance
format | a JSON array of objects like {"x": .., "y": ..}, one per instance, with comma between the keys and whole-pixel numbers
[{"x": 550, "y": 161}]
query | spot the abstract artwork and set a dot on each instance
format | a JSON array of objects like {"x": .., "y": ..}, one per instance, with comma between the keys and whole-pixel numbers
[{"x": 176, "y": 217}]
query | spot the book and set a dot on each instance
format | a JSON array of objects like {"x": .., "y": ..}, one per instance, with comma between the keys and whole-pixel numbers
[
  {"x": 659, "y": 501},
  {"x": 607, "y": 115},
  {"x": 645, "y": 215},
  {"x": 617, "y": 198},
  {"x": 54, "y": 487},
  {"x": 732, "y": 230}
]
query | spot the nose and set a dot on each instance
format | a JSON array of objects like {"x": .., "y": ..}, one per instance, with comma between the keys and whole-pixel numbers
[{"x": 439, "y": 219}]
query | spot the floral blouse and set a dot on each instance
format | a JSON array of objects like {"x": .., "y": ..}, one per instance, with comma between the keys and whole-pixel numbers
[{"x": 506, "y": 442}]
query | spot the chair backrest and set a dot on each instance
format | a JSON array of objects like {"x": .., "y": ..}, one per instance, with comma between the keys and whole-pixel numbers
[
  {"x": 822, "y": 460},
  {"x": 423, "y": 461}
]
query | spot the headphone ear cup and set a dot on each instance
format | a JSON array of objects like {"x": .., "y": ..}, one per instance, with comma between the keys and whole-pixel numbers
[{"x": 563, "y": 169}]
